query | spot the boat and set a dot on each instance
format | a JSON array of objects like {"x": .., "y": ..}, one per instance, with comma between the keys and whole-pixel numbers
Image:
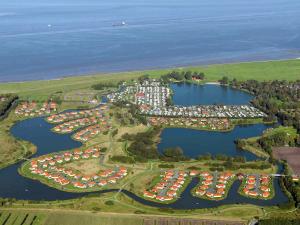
[{"x": 123, "y": 23}]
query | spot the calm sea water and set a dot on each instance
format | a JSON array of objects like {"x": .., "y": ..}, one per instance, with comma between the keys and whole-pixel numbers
[{"x": 49, "y": 39}]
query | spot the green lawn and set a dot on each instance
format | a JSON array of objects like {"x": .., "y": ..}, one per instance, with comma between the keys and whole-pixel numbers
[
  {"x": 288, "y": 130},
  {"x": 270, "y": 70}
]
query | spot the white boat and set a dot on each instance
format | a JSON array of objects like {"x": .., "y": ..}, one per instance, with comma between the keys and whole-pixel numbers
[{"x": 123, "y": 23}]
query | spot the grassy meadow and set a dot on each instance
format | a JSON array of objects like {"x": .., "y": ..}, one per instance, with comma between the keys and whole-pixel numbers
[
  {"x": 75, "y": 217},
  {"x": 268, "y": 70}
]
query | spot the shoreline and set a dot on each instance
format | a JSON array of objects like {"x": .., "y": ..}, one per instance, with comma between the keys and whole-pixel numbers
[{"x": 152, "y": 69}]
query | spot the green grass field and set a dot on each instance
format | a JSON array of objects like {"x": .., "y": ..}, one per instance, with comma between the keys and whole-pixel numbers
[
  {"x": 281, "y": 129},
  {"x": 269, "y": 70},
  {"x": 21, "y": 218},
  {"x": 74, "y": 217}
]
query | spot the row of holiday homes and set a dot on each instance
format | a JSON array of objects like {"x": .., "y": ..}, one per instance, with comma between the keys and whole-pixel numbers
[
  {"x": 211, "y": 185},
  {"x": 55, "y": 168},
  {"x": 203, "y": 123},
  {"x": 32, "y": 109},
  {"x": 205, "y": 111},
  {"x": 73, "y": 115}
]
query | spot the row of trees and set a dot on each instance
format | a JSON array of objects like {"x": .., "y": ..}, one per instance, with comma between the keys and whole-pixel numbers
[
  {"x": 291, "y": 186},
  {"x": 221, "y": 157},
  {"x": 173, "y": 155},
  {"x": 280, "y": 221},
  {"x": 232, "y": 164},
  {"x": 182, "y": 76},
  {"x": 102, "y": 86},
  {"x": 6, "y": 101}
]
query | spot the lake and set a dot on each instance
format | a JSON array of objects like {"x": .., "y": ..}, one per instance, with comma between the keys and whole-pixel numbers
[
  {"x": 187, "y": 94},
  {"x": 38, "y": 131},
  {"x": 50, "y": 39},
  {"x": 197, "y": 142}
]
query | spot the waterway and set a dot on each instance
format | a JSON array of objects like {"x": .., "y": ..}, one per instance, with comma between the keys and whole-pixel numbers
[{"x": 38, "y": 131}]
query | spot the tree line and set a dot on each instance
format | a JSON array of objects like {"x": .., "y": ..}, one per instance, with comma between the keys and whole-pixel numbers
[
  {"x": 280, "y": 221},
  {"x": 102, "y": 86},
  {"x": 6, "y": 100},
  {"x": 183, "y": 76},
  {"x": 291, "y": 186}
]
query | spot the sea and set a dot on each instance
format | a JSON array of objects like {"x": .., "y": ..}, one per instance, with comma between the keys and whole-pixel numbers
[{"x": 43, "y": 39}]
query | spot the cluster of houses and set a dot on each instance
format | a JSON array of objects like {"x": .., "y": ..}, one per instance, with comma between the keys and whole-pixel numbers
[
  {"x": 32, "y": 109},
  {"x": 52, "y": 168},
  {"x": 168, "y": 186},
  {"x": 152, "y": 93},
  {"x": 124, "y": 93},
  {"x": 206, "y": 111},
  {"x": 67, "y": 116},
  {"x": 91, "y": 131},
  {"x": 70, "y": 126},
  {"x": 93, "y": 121},
  {"x": 148, "y": 93},
  {"x": 212, "y": 185},
  {"x": 257, "y": 186},
  {"x": 151, "y": 96},
  {"x": 202, "y": 123}
]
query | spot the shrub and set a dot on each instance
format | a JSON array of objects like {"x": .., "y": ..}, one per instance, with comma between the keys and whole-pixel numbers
[{"x": 109, "y": 202}]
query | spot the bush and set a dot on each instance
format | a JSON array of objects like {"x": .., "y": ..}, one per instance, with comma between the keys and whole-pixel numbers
[
  {"x": 102, "y": 86},
  {"x": 109, "y": 202},
  {"x": 166, "y": 166},
  {"x": 96, "y": 208},
  {"x": 122, "y": 159},
  {"x": 103, "y": 149},
  {"x": 139, "y": 212},
  {"x": 206, "y": 156}
]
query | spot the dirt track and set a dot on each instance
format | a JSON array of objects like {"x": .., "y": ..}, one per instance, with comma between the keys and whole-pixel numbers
[{"x": 168, "y": 221}]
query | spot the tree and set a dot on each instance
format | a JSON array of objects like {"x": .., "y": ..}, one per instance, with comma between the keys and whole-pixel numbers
[
  {"x": 224, "y": 80},
  {"x": 141, "y": 79},
  {"x": 188, "y": 75},
  {"x": 173, "y": 154}
]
